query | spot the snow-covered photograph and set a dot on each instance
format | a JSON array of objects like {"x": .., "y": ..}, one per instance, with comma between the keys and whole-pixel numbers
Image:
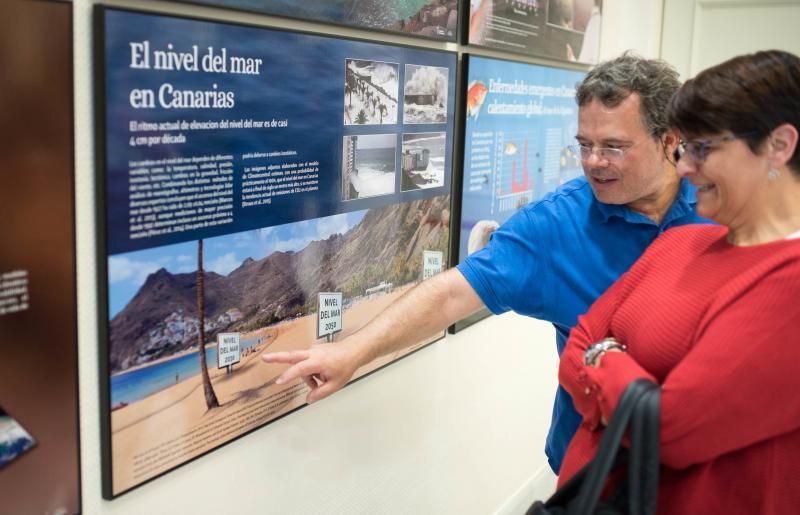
[
  {"x": 368, "y": 165},
  {"x": 371, "y": 91},
  {"x": 425, "y": 94},
  {"x": 423, "y": 160}
]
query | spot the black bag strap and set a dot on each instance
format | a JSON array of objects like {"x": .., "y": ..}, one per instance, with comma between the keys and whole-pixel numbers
[
  {"x": 599, "y": 468},
  {"x": 644, "y": 454}
]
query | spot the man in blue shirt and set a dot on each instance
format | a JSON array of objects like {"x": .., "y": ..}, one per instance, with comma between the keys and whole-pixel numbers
[{"x": 554, "y": 257}]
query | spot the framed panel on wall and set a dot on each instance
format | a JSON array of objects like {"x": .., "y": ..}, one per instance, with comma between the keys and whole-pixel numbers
[
  {"x": 434, "y": 19},
  {"x": 519, "y": 120},
  {"x": 264, "y": 190},
  {"x": 567, "y": 30},
  {"x": 39, "y": 437}
]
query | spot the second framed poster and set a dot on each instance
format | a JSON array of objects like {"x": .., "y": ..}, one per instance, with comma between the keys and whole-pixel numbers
[
  {"x": 259, "y": 185},
  {"x": 519, "y": 120}
]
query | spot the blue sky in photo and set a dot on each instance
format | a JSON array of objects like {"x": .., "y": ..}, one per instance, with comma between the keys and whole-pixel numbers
[{"x": 127, "y": 272}]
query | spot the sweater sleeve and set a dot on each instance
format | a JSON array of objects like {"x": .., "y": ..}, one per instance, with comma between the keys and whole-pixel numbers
[
  {"x": 595, "y": 391},
  {"x": 738, "y": 384}
]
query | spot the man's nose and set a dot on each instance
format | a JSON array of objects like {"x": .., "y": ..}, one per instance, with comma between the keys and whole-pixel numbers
[{"x": 593, "y": 160}]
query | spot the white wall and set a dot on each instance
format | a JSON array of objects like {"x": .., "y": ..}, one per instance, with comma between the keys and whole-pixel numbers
[
  {"x": 457, "y": 427},
  {"x": 701, "y": 33},
  {"x": 631, "y": 25}
]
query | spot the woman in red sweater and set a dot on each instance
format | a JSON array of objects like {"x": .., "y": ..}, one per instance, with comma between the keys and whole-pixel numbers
[{"x": 712, "y": 313}]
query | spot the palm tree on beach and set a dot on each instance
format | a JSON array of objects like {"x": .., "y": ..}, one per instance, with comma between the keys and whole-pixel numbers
[{"x": 208, "y": 389}]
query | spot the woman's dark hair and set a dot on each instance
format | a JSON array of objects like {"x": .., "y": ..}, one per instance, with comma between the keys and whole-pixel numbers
[{"x": 749, "y": 95}]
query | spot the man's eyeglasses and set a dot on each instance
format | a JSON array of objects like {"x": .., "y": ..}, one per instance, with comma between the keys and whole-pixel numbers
[
  {"x": 698, "y": 150},
  {"x": 605, "y": 153}
]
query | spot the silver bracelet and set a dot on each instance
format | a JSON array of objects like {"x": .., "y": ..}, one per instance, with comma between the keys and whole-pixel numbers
[{"x": 597, "y": 349}]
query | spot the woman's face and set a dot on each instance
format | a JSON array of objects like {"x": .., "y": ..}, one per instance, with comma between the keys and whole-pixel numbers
[{"x": 728, "y": 177}]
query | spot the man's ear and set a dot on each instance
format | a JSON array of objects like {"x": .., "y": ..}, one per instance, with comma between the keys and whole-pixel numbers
[
  {"x": 670, "y": 141},
  {"x": 782, "y": 144}
]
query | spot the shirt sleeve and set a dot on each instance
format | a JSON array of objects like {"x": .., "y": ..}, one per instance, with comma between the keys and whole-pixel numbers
[
  {"x": 509, "y": 272},
  {"x": 738, "y": 385},
  {"x": 595, "y": 391}
]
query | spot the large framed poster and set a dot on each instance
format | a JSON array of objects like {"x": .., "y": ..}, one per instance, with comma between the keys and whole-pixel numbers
[
  {"x": 263, "y": 190},
  {"x": 568, "y": 30},
  {"x": 39, "y": 437},
  {"x": 434, "y": 19},
  {"x": 519, "y": 120}
]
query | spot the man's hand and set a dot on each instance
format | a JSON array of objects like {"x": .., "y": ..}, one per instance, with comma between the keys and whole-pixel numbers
[
  {"x": 325, "y": 367},
  {"x": 419, "y": 313}
]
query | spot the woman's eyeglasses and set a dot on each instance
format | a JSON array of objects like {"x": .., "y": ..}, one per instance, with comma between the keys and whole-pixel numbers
[{"x": 698, "y": 150}]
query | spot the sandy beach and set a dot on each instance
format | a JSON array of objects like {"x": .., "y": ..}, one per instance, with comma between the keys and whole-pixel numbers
[{"x": 173, "y": 425}]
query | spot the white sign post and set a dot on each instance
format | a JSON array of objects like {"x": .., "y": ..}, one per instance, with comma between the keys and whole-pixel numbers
[
  {"x": 329, "y": 315},
  {"x": 228, "y": 350},
  {"x": 432, "y": 262}
]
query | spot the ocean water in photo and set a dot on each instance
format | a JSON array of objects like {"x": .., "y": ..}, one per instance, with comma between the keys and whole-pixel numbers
[
  {"x": 376, "y": 172},
  {"x": 379, "y": 159},
  {"x": 135, "y": 385}
]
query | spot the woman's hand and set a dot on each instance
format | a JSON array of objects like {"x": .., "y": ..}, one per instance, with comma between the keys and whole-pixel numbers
[{"x": 599, "y": 358}]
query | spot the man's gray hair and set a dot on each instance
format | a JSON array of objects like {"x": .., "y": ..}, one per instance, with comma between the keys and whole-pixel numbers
[{"x": 613, "y": 81}]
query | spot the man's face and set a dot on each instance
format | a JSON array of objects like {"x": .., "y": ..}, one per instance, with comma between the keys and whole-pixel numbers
[{"x": 637, "y": 179}]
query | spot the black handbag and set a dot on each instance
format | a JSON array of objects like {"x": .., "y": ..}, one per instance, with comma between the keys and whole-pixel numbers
[{"x": 637, "y": 410}]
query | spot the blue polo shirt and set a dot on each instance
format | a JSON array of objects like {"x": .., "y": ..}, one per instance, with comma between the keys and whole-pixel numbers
[{"x": 555, "y": 257}]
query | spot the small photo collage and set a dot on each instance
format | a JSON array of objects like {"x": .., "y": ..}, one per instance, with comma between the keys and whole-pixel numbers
[{"x": 371, "y": 94}]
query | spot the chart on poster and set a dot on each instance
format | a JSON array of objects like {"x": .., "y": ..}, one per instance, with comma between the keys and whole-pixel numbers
[{"x": 246, "y": 179}]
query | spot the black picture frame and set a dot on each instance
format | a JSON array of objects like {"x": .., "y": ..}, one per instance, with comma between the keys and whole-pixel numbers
[{"x": 108, "y": 489}]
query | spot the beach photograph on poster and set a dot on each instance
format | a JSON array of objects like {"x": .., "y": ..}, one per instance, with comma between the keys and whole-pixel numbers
[
  {"x": 262, "y": 284},
  {"x": 423, "y": 160},
  {"x": 425, "y": 94},
  {"x": 520, "y": 120},
  {"x": 568, "y": 30},
  {"x": 14, "y": 439},
  {"x": 371, "y": 91},
  {"x": 437, "y": 19},
  {"x": 368, "y": 165}
]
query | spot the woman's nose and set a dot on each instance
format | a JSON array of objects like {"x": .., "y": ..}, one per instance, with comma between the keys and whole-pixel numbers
[{"x": 685, "y": 166}]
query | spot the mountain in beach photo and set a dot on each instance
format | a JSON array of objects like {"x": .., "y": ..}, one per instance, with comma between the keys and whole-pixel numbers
[{"x": 385, "y": 246}]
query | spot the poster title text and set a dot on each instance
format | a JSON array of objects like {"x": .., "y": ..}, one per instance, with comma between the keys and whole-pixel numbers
[{"x": 195, "y": 59}]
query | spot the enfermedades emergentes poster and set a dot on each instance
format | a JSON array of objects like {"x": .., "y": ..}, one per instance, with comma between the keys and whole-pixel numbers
[{"x": 519, "y": 122}]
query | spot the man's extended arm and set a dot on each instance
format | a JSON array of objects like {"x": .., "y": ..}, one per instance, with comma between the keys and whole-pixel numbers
[{"x": 427, "y": 308}]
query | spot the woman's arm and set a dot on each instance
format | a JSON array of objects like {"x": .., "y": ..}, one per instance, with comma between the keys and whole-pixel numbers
[
  {"x": 582, "y": 381},
  {"x": 739, "y": 384}
]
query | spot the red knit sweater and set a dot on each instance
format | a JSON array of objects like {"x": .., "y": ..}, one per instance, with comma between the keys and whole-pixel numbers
[{"x": 718, "y": 327}]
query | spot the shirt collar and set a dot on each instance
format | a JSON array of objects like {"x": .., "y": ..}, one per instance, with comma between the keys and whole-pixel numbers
[{"x": 682, "y": 205}]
